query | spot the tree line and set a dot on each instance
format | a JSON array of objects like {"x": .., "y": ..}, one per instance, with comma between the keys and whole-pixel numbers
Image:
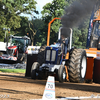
[{"x": 37, "y": 28}]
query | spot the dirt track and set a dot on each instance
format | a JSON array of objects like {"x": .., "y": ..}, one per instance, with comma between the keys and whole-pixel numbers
[{"x": 17, "y": 87}]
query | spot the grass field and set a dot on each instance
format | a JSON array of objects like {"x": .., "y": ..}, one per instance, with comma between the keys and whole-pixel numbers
[{"x": 12, "y": 70}]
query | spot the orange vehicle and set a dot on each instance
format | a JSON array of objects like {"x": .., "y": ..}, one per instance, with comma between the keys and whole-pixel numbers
[{"x": 93, "y": 53}]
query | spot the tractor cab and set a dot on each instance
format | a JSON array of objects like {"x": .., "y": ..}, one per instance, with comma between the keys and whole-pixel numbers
[
  {"x": 94, "y": 40},
  {"x": 65, "y": 33},
  {"x": 20, "y": 42}
]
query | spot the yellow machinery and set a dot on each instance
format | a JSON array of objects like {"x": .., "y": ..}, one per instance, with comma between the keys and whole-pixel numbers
[{"x": 93, "y": 53}]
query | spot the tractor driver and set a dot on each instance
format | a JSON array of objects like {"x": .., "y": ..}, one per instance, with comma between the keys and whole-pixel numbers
[
  {"x": 64, "y": 40},
  {"x": 65, "y": 33}
]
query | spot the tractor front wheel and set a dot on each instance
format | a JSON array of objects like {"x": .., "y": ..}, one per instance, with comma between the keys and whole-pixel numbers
[
  {"x": 33, "y": 70},
  {"x": 62, "y": 73}
]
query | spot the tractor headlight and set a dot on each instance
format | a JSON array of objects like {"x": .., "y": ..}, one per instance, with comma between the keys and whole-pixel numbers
[
  {"x": 48, "y": 55},
  {"x": 53, "y": 55}
]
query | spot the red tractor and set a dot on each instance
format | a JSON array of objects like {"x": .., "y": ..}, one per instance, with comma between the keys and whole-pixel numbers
[{"x": 17, "y": 50}]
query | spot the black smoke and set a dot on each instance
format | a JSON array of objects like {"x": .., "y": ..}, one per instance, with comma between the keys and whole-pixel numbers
[
  {"x": 65, "y": 32},
  {"x": 76, "y": 12}
]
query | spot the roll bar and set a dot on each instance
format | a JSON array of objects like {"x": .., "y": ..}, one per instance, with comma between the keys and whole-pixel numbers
[{"x": 48, "y": 35}]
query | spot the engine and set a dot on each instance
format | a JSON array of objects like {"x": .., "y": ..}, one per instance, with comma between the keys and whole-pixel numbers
[{"x": 53, "y": 54}]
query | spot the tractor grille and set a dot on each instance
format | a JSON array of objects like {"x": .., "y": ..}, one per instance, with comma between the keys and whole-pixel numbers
[
  {"x": 10, "y": 51},
  {"x": 50, "y": 55},
  {"x": 53, "y": 55}
]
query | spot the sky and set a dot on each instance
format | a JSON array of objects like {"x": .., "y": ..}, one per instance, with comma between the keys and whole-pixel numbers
[
  {"x": 41, "y": 3},
  {"x": 39, "y": 6}
]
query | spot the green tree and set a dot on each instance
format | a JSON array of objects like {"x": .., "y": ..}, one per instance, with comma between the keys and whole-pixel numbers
[
  {"x": 76, "y": 35},
  {"x": 32, "y": 31},
  {"x": 84, "y": 32},
  {"x": 23, "y": 30},
  {"x": 10, "y": 11},
  {"x": 38, "y": 26},
  {"x": 80, "y": 34}
]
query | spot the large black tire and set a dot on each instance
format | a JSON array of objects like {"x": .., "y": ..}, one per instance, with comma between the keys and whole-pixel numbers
[
  {"x": 33, "y": 70},
  {"x": 62, "y": 73},
  {"x": 77, "y": 66},
  {"x": 41, "y": 55}
]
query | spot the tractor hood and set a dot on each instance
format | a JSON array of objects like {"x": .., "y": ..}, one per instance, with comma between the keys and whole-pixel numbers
[{"x": 12, "y": 47}]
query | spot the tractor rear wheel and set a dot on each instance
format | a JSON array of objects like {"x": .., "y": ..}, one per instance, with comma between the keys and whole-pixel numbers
[
  {"x": 62, "y": 73},
  {"x": 41, "y": 55},
  {"x": 33, "y": 70},
  {"x": 77, "y": 65}
]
